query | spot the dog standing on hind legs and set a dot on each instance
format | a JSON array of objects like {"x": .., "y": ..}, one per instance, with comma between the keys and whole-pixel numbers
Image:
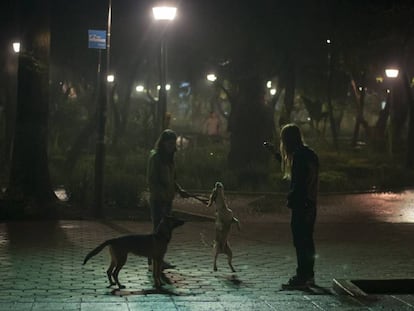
[
  {"x": 152, "y": 246},
  {"x": 224, "y": 220}
]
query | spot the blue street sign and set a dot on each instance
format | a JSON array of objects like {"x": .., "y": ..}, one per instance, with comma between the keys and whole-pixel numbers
[{"x": 97, "y": 39}]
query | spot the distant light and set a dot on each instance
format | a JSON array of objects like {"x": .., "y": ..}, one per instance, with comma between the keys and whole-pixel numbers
[
  {"x": 269, "y": 84},
  {"x": 273, "y": 92},
  {"x": 185, "y": 84},
  {"x": 16, "y": 47},
  {"x": 165, "y": 13},
  {"x": 139, "y": 88},
  {"x": 383, "y": 104},
  {"x": 61, "y": 193},
  {"x": 211, "y": 77},
  {"x": 167, "y": 87},
  {"x": 391, "y": 73},
  {"x": 110, "y": 78},
  {"x": 328, "y": 41},
  {"x": 388, "y": 91},
  {"x": 360, "y": 88}
]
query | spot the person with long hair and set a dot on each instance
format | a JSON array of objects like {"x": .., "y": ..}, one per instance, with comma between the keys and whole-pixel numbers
[
  {"x": 300, "y": 164},
  {"x": 161, "y": 178}
]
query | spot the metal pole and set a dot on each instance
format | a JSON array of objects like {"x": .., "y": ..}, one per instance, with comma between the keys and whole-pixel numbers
[
  {"x": 329, "y": 99},
  {"x": 100, "y": 143},
  {"x": 163, "y": 82}
]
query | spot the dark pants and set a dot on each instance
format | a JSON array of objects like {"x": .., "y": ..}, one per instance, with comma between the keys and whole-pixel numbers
[
  {"x": 159, "y": 209},
  {"x": 302, "y": 224}
]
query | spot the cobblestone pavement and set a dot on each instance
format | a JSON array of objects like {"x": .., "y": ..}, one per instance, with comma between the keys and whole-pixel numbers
[{"x": 41, "y": 266}]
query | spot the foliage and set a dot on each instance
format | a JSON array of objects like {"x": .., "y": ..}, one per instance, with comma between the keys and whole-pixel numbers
[
  {"x": 200, "y": 168},
  {"x": 362, "y": 170},
  {"x": 125, "y": 178}
]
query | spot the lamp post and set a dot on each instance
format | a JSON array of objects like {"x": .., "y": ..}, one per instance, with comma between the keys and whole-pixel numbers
[
  {"x": 390, "y": 73},
  {"x": 163, "y": 14},
  {"x": 329, "y": 95},
  {"x": 394, "y": 73},
  {"x": 102, "y": 111}
]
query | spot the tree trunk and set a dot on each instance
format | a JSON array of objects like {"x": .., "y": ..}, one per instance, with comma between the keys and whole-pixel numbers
[
  {"x": 250, "y": 124},
  {"x": 29, "y": 177},
  {"x": 410, "y": 138},
  {"x": 360, "y": 103},
  {"x": 329, "y": 100}
]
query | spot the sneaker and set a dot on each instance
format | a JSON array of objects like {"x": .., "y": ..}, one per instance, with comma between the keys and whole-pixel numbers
[{"x": 296, "y": 282}]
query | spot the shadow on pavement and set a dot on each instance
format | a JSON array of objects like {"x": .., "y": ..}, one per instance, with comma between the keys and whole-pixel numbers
[
  {"x": 34, "y": 234},
  {"x": 152, "y": 291}
]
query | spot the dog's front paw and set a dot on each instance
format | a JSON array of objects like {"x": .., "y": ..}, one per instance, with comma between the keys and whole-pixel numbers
[{"x": 121, "y": 287}]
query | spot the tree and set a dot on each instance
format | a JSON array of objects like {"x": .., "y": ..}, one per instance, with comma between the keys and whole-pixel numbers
[{"x": 29, "y": 180}]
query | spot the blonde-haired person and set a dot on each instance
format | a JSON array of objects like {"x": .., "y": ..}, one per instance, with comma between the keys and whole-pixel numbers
[{"x": 300, "y": 165}]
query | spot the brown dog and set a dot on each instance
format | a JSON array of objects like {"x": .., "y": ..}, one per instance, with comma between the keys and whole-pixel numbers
[
  {"x": 224, "y": 220},
  {"x": 152, "y": 246}
]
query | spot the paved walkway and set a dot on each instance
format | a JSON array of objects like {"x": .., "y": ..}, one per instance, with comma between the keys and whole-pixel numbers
[{"x": 41, "y": 264}]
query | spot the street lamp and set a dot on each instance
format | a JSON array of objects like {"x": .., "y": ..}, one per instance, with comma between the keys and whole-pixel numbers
[
  {"x": 110, "y": 78},
  {"x": 166, "y": 13},
  {"x": 391, "y": 73},
  {"x": 16, "y": 47},
  {"x": 163, "y": 14},
  {"x": 211, "y": 77},
  {"x": 269, "y": 84}
]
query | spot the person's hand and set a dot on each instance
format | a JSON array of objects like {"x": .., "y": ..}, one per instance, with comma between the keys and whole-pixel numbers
[
  {"x": 184, "y": 194},
  {"x": 269, "y": 146}
]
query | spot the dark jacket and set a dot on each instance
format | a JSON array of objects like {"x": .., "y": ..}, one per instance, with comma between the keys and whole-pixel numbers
[
  {"x": 161, "y": 178},
  {"x": 304, "y": 179}
]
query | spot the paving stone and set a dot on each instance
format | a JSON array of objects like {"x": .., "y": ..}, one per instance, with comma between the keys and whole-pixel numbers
[
  {"x": 53, "y": 306},
  {"x": 50, "y": 273},
  {"x": 16, "y": 306},
  {"x": 87, "y": 306}
]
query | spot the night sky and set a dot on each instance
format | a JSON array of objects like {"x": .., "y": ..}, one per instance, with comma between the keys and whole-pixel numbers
[{"x": 209, "y": 32}]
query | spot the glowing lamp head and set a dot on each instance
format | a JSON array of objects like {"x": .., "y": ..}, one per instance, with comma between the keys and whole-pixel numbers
[
  {"x": 391, "y": 73},
  {"x": 166, "y": 13}
]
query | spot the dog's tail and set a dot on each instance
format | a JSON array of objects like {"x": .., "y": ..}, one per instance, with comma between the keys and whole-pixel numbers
[{"x": 96, "y": 251}]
